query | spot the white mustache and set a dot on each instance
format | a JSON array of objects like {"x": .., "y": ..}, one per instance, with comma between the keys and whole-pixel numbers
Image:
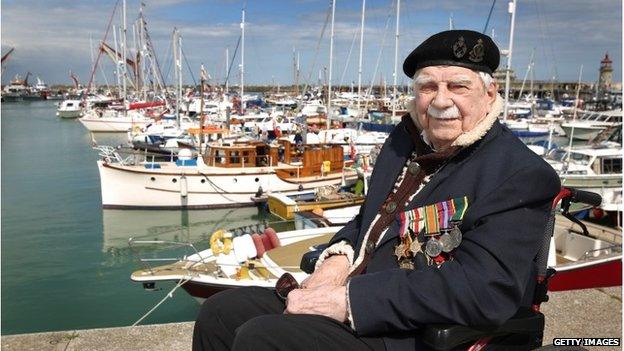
[{"x": 448, "y": 113}]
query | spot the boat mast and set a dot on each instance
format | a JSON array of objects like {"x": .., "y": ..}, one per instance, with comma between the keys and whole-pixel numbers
[
  {"x": 578, "y": 91},
  {"x": 203, "y": 76},
  {"x": 396, "y": 59},
  {"x": 177, "y": 54},
  {"x": 360, "y": 60},
  {"x": 123, "y": 54},
  {"x": 227, "y": 69},
  {"x": 242, "y": 64},
  {"x": 512, "y": 11},
  {"x": 331, "y": 57}
]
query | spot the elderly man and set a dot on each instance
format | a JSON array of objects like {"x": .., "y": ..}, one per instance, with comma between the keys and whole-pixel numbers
[{"x": 454, "y": 218}]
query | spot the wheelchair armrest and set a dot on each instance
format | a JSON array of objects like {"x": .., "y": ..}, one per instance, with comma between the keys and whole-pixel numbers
[
  {"x": 445, "y": 337},
  {"x": 308, "y": 260}
]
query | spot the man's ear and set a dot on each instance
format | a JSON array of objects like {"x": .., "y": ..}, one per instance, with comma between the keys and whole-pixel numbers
[{"x": 492, "y": 92}]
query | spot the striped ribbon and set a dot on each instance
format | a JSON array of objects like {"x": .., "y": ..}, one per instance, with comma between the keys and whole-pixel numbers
[{"x": 435, "y": 218}]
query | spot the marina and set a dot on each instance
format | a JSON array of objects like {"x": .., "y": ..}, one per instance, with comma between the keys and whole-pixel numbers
[{"x": 165, "y": 174}]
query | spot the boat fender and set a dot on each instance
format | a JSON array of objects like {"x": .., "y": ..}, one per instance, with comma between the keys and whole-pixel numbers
[
  {"x": 183, "y": 186},
  {"x": 221, "y": 242},
  {"x": 244, "y": 248},
  {"x": 257, "y": 240},
  {"x": 266, "y": 242},
  {"x": 270, "y": 232}
]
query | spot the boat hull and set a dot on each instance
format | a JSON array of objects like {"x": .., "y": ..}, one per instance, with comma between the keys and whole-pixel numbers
[
  {"x": 133, "y": 187},
  {"x": 69, "y": 113},
  {"x": 596, "y": 275},
  {"x": 111, "y": 124},
  {"x": 582, "y": 133}
]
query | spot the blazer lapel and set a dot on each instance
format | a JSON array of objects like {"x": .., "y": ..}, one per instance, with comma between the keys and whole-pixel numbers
[{"x": 386, "y": 171}]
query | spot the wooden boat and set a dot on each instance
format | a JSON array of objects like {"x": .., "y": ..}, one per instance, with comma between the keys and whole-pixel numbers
[
  {"x": 227, "y": 175},
  {"x": 286, "y": 207}
]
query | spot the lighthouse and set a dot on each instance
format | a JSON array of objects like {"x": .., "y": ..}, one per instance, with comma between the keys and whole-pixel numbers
[{"x": 606, "y": 74}]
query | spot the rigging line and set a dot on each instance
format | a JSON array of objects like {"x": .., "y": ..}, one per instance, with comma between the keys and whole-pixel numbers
[
  {"x": 318, "y": 45},
  {"x": 168, "y": 63},
  {"x": 169, "y": 295},
  {"x": 552, "y": 51},
  {"x": 487, "y": 22},
  {"x": 227, "y": 78},
  {"x": 189, "y": 67},
  {"x": 355, "y": 35},
  {"x": 383, "y": 41},
  {"x": 218, "y": 188},
  {"x": 97, "y": 60}
]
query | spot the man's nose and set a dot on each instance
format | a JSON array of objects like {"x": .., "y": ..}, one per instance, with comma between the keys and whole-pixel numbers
[{"x": 442, "y": 98}]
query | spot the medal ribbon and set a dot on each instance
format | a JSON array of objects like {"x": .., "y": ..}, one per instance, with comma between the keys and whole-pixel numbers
[
  {"x": 436, "y": 217},
  {"x": 460, "y": 205}
]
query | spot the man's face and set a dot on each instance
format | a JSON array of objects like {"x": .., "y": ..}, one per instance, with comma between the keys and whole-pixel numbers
[{"x": 450, "y": 100}]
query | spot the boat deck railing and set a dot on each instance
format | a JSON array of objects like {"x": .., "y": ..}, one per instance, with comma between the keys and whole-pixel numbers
[
  {"x": 146, "y": 262},
  {"x": 601, "y": 252}
]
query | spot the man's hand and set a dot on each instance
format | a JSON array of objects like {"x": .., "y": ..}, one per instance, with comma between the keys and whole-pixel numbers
[
  {"x": 329, "y": 301},
  {"x": 332, "y": 272}
]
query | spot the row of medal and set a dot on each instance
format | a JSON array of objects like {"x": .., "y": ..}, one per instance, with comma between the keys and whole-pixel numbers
[{"x": 437, "y": 226}]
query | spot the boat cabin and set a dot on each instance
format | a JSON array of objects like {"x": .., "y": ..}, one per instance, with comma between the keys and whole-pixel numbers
[{"x": 291, "y": 160}]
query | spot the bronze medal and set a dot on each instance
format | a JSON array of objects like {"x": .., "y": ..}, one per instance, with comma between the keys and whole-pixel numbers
[
  {"x": 433, "y": 247},
  {"x": 415, "y": 247},
  {"x": 399, "y": 251},
  {"x": 406, "y": 264}
]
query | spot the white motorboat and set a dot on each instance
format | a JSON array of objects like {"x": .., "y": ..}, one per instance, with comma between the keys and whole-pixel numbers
[
  {"x": 69, "y": 109},
  {"x": 592, "y": 123},
  {"x": 592, "y": 168},
  {"x": 250, "y": 259}
]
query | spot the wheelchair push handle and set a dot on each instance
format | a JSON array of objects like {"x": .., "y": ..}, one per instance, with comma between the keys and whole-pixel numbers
[
  {"x": 585, "y": 197},
  {"x": 569, "y": 195}
]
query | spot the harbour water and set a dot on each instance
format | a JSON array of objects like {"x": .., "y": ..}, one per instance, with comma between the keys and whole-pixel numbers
[{"x": 65, "y": 261}]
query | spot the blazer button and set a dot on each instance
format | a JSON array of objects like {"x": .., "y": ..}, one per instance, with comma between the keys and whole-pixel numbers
[
  {"x": 370, "y": 246},
  {"x": 391, "y": 207},
  {"x": 413, "y": 168}
]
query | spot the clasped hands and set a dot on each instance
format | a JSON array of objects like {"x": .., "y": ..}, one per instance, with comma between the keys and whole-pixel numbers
[{"x": 324, "y": 292}]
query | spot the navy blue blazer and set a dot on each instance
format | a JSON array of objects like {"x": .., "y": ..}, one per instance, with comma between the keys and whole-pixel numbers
[{"x": 509, "y": 189}]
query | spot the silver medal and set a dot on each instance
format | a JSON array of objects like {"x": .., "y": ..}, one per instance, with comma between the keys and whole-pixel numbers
[
  {"x": 433, "y": 247},
  {"x": 456, "y": 236},
  {"x": 446, "y": 242}
]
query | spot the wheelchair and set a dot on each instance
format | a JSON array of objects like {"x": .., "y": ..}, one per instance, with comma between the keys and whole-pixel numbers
[{"x": 528, "y": 322}]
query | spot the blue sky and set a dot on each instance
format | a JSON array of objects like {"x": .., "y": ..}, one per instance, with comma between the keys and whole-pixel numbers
[{"x": 52, "y": 37}]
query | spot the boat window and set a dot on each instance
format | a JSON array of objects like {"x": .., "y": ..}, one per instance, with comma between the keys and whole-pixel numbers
[
  {"x": 602, "y": 118},
  {"x": 69, "y": 104},
  {"x": 234, "y": 157},
  {"x": 612, "y": 166},
  {"x": 580, "y": 158}
]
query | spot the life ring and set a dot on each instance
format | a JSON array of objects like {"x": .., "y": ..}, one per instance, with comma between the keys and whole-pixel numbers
[
  {"x": 220, "y": 242},
  {"x": 136, "y": 129}
]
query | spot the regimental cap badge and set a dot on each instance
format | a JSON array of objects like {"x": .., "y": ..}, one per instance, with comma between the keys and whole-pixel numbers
[
  {"x": 477, "y": 52},
  {"x": 459, "y": 48}
]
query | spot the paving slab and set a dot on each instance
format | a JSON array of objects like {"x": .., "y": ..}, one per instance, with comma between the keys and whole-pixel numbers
[{"x": 577, "y": 314}]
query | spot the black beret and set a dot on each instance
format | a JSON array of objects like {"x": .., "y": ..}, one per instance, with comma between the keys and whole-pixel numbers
[{"x": 465, "y": 48}]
